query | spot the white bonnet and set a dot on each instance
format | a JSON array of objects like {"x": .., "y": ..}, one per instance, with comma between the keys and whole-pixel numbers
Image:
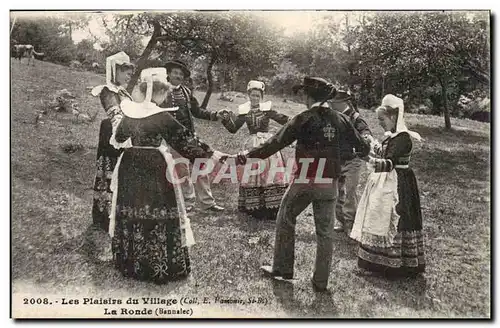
[{"x": 256, "y": 85}]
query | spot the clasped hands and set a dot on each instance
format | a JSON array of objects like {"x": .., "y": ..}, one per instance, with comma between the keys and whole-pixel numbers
[
  {"x": 223, "y": 114},
  {"x": 373, "y": 142},
  {"x": 241, "y": 157}
]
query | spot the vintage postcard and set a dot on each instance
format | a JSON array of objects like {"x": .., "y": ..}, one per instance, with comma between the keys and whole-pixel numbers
[{"x": 250, "y": 164}]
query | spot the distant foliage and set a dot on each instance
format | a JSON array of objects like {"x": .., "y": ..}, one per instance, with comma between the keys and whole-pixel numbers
[
  {"x": 286, "y": 77},
  {"x": 47, "y": 35},
  {"x": 431, "y": 59}
]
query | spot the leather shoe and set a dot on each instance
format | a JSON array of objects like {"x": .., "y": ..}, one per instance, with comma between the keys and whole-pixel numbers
[
  {"x": 215, "y": 208},
  {"x": 338, "y": 226},
  {"x": 268, "y": 270}
]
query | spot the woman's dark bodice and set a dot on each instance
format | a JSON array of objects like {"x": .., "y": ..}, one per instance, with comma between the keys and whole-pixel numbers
[{"x": 256, "y": 120}]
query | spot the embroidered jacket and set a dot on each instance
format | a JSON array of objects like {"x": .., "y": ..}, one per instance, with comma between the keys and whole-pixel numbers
[
  {"x": 110, "y": 101},
  {"x": 151, "y": 130},
  {"x": 360, "y": 125},
  {"x": 188, "y": 107},
  {"x": 320, "y": 133},
  {"x": 395, "y": 153},
  {"x": 257, "y": 119}
]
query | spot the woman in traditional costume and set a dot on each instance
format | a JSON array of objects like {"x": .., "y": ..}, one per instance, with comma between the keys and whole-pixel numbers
[
  {"x": 149, "y": 227},
  {"x": 258, "y": 196},
  {"x": 388, "y": 223},
  {"x": 118, "y": 73}
]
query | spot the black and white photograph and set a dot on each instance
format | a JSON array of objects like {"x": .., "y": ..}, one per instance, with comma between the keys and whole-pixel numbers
[{"x": 256, "y": 164}]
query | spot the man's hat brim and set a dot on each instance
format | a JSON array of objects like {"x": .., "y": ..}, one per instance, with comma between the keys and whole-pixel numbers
[
  {"x": 343, "y": 95},
  {"x": 174, "y": 64}
]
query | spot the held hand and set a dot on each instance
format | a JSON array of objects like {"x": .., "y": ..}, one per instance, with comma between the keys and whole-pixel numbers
[
  {"x": 374, "y": 142},
  {"x": 225, "y": 157},
  {"x": 223, "y": 114},
  {"x": 366, "y": 158},
  {"x": 371, "y": 160},
  {"x": 241, "y": 157},
  {"x": 218, "y": 156},
  {"x": 370, "y": 139}
]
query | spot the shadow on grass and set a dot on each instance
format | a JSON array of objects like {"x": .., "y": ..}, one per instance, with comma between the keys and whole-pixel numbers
[
  {"x": 446, "y": 167},
  {"x": 405, "y": 292},
  {"x": 321, "y": 305},
  {"x": 60, "y": 171},
  {"x": 453, "y": 136}
]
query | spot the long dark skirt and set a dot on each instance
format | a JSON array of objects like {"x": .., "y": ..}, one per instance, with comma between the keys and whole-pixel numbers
[
  {"x": 147, "y": 241},
  {"x": 106, "y": 159},
  {"x": 407, "y": 255}
]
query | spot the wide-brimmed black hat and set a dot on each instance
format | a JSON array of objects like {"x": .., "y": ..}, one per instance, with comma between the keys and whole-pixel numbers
[
  {"x": 344, "y": 95},
  {"x": 315, "y": 86},
  {"x": 178, "y": 64}
]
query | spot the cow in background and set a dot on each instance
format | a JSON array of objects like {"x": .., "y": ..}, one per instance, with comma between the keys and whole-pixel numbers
[
  {"x": 27, "y": 50},
  {"x": 38, "y": 55}
]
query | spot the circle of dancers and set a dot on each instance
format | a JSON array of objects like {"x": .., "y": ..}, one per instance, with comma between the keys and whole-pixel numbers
[{"x": 149, "y": 151}]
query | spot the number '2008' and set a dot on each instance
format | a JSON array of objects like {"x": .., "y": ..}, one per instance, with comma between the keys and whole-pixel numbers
[{"x": 36, "y": 301}]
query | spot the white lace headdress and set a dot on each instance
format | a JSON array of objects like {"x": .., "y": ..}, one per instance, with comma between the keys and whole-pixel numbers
[
  {"x": 111, "y": 63},
  {"x": 396, "y": 102}
]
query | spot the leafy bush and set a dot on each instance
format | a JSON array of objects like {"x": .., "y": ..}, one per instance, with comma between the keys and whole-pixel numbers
[
  {"x": 474, "y": 105},
  {"x": 286, "y": 77}
]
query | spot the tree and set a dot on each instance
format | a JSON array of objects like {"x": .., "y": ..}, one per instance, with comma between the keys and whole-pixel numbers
[
  {"x": 286, "y": 76},
  {"x": 47, "y": 34},
  {"x": 121, "y": 37},
  {"x": 420, "y": 48},
  {"x": 85, "y": 51},
  {"x": 239, "y": 38},
  {"x": 74, "y": 21},
  {"x": 319, "y": 52}
]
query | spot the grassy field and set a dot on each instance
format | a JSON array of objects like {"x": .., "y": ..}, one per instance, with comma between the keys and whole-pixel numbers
[{"x": 54, "y": 251}]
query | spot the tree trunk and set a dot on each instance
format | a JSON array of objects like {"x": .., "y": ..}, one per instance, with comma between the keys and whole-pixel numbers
[
  {"x": 446, "y": 110},
  {"x": 350, "y": 68},
  {"x": 70, "y": 32},
  {"x": 383, "y": 85},
  {"x": 223, "y": 80},
  {"x": 210, "y": 80},
  {"x": 141, "y": 63},
  {"x": 13, "y": 23}
]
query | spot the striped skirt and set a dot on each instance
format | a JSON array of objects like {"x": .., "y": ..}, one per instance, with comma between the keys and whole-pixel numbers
[
  {"x": 260, "y": 195},
  {"x": 406, "y": 255}
]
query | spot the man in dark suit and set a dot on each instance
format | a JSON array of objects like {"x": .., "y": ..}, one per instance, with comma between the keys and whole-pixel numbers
[
  {"x": 182, "y": 97},
  {"x": 352, "y": 166},
  {"x": 321, "y": 133}
]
